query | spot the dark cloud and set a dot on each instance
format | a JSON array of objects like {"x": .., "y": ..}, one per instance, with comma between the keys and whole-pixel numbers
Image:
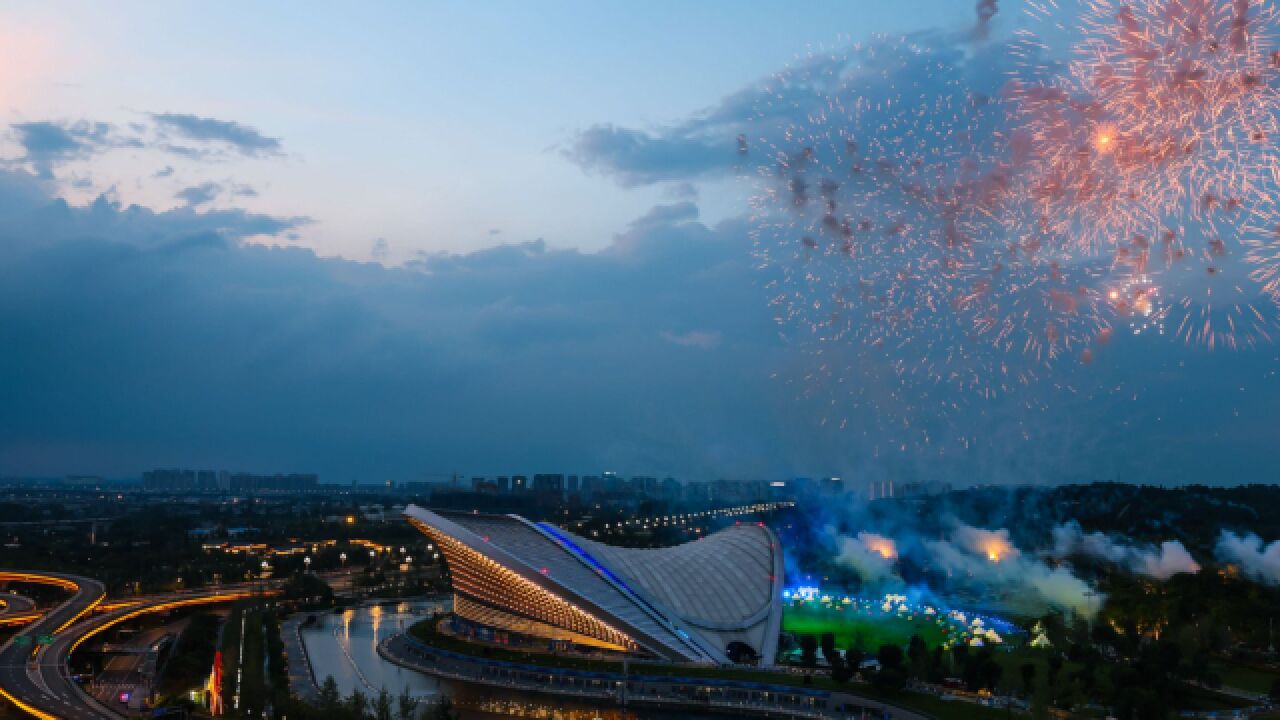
[
  {"x": 636, "y": 157},
  {"x": 734, "y": 134},
  {"x": 199, "y": 194},
  {"x": 46, "y": 144},
  {"x": 136, "y": 338},
  {"x": 242, "y": 138}
]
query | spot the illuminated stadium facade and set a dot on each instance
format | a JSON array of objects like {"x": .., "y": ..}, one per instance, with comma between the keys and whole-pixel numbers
[{"x": 713, "y": 600}]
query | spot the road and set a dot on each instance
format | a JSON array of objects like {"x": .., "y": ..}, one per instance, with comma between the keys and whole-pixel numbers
[
  {"x": 130, "y": 669},
  {"x": 17, "y": 610},
  {"x": 14, "y": 603},
  {"x": 23, "y": 680},
  {"x": 36, "y": 678}
]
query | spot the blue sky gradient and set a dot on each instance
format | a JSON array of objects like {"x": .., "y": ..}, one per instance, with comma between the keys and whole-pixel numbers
[{"x": 393, "y": 243}]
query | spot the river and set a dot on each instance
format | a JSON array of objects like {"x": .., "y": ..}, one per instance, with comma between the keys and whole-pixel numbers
[{"x": 345, "y": 646}]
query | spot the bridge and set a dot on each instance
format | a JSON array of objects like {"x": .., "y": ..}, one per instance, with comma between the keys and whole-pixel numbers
[{"x": 34, "y": 671}]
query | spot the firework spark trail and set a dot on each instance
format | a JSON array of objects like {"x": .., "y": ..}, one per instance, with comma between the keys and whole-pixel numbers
[
  {"x": 1162, "y": 128},
  {"x": 881, "y": 211},
  {"x": 1122, "y": 177}
]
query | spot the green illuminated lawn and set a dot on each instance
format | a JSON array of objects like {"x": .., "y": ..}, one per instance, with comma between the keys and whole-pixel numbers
[{"x": 875, "y": 630}]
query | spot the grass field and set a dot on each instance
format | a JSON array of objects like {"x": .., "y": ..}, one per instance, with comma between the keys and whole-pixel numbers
[
  {"x": 1247, "y": 678},
  {"x": 849, "y": 626}
]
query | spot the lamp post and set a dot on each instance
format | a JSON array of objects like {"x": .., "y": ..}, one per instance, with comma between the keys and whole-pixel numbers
[{"x": 306, "y": 561}]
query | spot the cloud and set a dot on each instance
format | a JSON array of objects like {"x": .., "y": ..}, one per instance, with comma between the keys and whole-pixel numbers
[
  {"x": 742, "y": 133},
  {"x": 243, "y": 139},
  {"x": 635, "y": 157},
  {"x": 199, "y": 194},
  {"x": 155, "y": 338},
  {"x": 47, "y": 144}
]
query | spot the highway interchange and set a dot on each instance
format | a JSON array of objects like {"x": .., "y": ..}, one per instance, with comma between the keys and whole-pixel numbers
[{"x": 34, "y": 671}]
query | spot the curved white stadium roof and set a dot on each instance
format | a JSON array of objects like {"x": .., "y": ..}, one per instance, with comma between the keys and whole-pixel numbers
[{"x": 682, "y": 603}]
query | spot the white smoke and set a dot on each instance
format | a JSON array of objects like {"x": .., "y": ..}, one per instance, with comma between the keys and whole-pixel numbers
[
  {"x": 871, "y": 555},
  {"x": 1162, "y": 563},
  {"x": 987, "y": 560},
  {"x": 1258, "y": 561}
]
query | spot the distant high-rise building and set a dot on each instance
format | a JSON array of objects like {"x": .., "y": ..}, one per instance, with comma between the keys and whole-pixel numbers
[
  {"x": 670, "y": 488},
  {"x": 548, "y": 483},
  {"x": 180, "y": 480},
  {"x": 519, "y": 483}
]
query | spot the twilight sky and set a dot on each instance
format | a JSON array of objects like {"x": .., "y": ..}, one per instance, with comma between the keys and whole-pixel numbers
[{"x": 397, "y": 242}]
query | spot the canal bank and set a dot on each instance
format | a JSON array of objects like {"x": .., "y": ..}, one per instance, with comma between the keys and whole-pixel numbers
[
  {"x": 344, "y": 645},
  {"x": 711, "y": 695}
]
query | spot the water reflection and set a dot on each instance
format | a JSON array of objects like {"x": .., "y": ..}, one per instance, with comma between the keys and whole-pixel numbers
[{"x": 345, "y": 646}]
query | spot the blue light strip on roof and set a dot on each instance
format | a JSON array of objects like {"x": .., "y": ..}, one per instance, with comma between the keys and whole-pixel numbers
[
  {"x": 586, "y": 557},
  {"x": 553, "y": 530}
]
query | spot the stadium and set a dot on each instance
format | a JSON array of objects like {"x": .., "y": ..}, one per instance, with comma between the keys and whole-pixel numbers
[{"x": 517, "y": 582}]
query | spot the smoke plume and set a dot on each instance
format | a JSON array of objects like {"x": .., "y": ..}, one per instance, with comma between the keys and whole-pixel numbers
[
  {"x": 1162, "y": 563},
  {"x": 987, "y": 561},
  {"x": 1247, "y": 552}
]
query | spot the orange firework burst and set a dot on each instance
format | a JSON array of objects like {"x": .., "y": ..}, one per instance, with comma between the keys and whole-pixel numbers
[
  {"x": 879, "y": 544},
  {"x": 1154, "y": 148}
]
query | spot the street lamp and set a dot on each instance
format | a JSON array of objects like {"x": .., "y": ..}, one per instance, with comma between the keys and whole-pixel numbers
[
  {"x": 307, "y": 561},
  {"x": 343, "y": 558}
]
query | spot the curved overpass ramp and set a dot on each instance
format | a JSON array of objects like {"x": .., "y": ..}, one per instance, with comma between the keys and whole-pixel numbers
[
  {"x": 36, "y": 677},
  {"x": 20, "y": 680},
  {"x": 17, "y": 610}
]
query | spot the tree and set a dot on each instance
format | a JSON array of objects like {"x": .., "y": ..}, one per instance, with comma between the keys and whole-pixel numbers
[
  {"x": 808, "y": 651},
  {"x": 991, "y": 671},
  {"x": 853, "y": 659},
  {"x": 382, "y": 706},
  {"x": 330, "y": 696},
  {"x": 442, "y": 709},
  {"x": 841, "y": 670},
  {"x": 1275, "y": 689},
  {"x": 891, "y": 676},
  {"x": 406, "y": 705},
  {"x": 937, "y": 672},
  {"x": 960, "y": 654},
  {"x": 918, "y": 654},
  {"x": 1055, "y": 667},
  {"x": 357, "y": 703},
  {"x": 828, "y": 644},
  {"x": 1028, "y": 671}
]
